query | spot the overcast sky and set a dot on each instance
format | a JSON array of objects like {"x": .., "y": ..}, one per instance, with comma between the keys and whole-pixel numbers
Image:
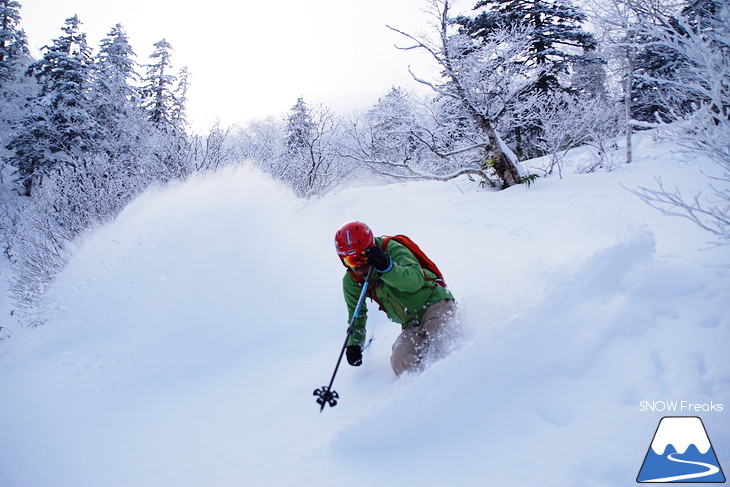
[{"x": 252, "y": 59}]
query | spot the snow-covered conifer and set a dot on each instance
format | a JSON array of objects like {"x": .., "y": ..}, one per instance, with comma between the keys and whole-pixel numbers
[
  {"x": 311, "y": 165},
  {"x": 180, "y": 99},
  {"x": 299, "y": 128},
  {"x": 59, "y": 126},
  {"x": 557, "y": 44},
  {"x": 392, "y": 127},
  {"x": 703, "y": 126},
  {"x": 556, "y": 36},
  {"x": 159, "y": 87},
  {"x": 164, "y": 96},
  {"x": 115, "y": 80},
  {"x": 13, "y": 42}
]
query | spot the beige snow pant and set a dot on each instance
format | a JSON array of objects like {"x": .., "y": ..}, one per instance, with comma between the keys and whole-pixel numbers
[{"x": 432, "y": 340}]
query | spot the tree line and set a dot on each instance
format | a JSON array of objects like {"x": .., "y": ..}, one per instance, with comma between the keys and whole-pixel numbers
[
  {"x": 520, "y": 82},
  {"x": 83, "y": 133}
]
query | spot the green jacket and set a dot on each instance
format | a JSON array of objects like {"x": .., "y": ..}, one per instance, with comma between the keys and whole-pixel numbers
[{"x": 405, "y": 291}]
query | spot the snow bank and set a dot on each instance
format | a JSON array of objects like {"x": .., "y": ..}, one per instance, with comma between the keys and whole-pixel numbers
[{"x": 185, "y": 339}]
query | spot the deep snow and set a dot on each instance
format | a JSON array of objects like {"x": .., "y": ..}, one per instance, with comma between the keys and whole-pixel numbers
[{"x": 184, "y": 339}]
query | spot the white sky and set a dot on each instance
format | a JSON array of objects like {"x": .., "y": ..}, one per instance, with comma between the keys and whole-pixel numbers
[{"x": 253, "y": 59}]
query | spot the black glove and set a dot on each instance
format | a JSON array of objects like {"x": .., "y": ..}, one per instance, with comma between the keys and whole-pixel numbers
[
  {"x": 377, "y": 258},
  {"x": 354, "y": 355}
]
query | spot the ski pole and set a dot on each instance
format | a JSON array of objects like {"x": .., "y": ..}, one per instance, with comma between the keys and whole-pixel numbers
[{"x": 325, "y": 394}]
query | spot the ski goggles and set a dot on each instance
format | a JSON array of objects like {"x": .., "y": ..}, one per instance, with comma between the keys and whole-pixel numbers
[{"x": 355, "y": 259}]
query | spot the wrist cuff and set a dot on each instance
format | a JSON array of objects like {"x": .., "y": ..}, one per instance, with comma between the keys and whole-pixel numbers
[{"x": 390, "y": 266}]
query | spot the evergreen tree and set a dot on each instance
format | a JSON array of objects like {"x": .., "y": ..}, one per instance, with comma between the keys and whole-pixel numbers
[
  {"x": 663, "y": 72},
  {"x": 557, "y": 42},
  {"x": 163, "y": 99},
  {"x": 654, "y": 64},
  {"x": 159, "y": 88},
  {"x": 392, "y": 127},
  {"x": 702, "y": 40},
  {"x": 180, "y": 99},
  {"x": 116, "y": 74},
  {"x": 15, "y": 88},
  {"x": 589, "y": 76},
  {"x": 557, "y": 38},
  {"x": 59, "y": 128},
  {"x": 65, "y": 74},
  {"x": 310, "y": 165},
  {"x": 299, "y": 129},
  {"x": 703, "y": 14},
  {"x": 124, "y": 127},
  {"x": 13, "y": 43}
]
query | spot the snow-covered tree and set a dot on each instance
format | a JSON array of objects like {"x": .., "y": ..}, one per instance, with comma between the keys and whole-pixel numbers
[
  {"x": 13, "y": 42},
  {"x": 703, "y": 127},
  {"x": 589, "y": 77},
  {"x": 180, "y": 99},
  {"x": 557, "y": 43},
  {"x": 392, "y": 127},
  {"x": 59, "y": 127},
  {"x": 575, "y": 120},
  {"x": 655, "y": 64},
  {"x": 311, "y": 165},
  {"x": 65, "y": 75},
  {"x": 263, "y": 142},
  {"x": 214, "y": 149},
  {"x": 126, "y": 135},
  {"x": 15, "y": 87},
  {"x": 159, "y": 87},
  {"x": 702, "y": 14},
  {"x": 164, "y": 95},
  {"x": 84, "y": 142},
  {"x": 123, "y": 124},
  {"x": 480, "y": 79},
  {"x": 617, "y": 22},
  {"x": 557, "y": 40},
  {"x": 116, "y": 95},
  {"x": 299, "y": 128},
  {"x": 386, "y": 139}
]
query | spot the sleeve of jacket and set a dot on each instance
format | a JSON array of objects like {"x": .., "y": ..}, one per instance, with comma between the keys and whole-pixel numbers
[
  {"x": 352, "y": 292},
  {"x": 406, "y": 273}
]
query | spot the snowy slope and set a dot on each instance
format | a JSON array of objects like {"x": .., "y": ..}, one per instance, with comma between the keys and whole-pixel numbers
[{"x": 184, "y": 340}]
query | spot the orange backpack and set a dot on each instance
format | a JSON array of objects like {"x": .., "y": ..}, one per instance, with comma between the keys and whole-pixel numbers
[{"x": 422, "y": 258}]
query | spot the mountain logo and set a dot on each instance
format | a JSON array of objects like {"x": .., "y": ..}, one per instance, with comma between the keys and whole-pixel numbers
[{"x": 680, "y": 452}]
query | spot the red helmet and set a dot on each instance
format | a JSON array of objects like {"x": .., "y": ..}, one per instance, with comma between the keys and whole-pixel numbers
[{"x": 351, "y": 241}]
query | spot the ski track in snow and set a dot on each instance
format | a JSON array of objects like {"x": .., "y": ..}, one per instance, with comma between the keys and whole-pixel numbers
[{"x": 185, "y": 339}]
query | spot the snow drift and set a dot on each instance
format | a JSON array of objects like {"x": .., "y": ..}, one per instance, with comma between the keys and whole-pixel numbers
[{"x": 184, "y": 340}]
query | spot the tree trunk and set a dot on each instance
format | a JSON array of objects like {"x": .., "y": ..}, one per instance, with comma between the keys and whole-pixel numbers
[
  {"x": 503, "y": 165},
  {"x": 630, "y": 55}
]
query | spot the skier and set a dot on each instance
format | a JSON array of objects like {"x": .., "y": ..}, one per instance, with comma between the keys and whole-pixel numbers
[{"x": 411, "y": 295}]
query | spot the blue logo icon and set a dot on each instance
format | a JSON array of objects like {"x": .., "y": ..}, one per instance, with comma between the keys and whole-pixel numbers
[{"x": 681, "y": 452}]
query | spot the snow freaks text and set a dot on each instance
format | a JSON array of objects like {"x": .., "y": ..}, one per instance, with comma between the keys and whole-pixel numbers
[{"x": 682, "y": 407}]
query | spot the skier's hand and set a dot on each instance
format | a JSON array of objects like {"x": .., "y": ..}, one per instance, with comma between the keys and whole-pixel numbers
[
  {"x": 377, "y": 258},
  {"x": 354, "y": 355}
]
